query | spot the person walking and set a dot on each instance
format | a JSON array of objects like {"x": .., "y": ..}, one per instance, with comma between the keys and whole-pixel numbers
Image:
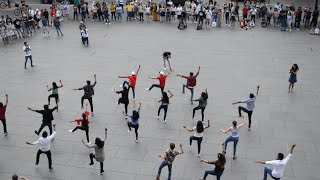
[
  {"x": 293, "y": 77},
  {"x": 132, "y": 81},
  {"x": 56, "y": 23},
  {"x": 84, "y": 124},
  {"x": 198, "y": 133},
  {"x": 233, "y": 137},
  {"x": 277, "y": 166},
  {"x": 47, "y": 118},
  {"x": 27, "y": 54},
  {"x": 99, "y": 154},
  {"x": 135, "y": 122},
  {"x": 250, "y": 107},
  {"x": 202, "y": 104},
  {"x": 168, "y": 159},
  {"x": 45, "y": 145},
  {"x": 55, "y": 93},
  {"x": 219, "y": 166},
  {"x": 162, "y": 81},
  {"x": 166, "y": 56},
  {"x": 191, "y": 82},
  {"x": 124, "y": 98},
  {"x": 164, "y": 104},
  {"x": 88, "y": 93},
  {"x": 45, "y": 24},
  {"x": 3, "y": 109}
]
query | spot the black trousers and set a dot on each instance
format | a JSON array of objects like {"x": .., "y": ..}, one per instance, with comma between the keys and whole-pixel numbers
[
  {"x": 165, "y": 108},
  {"x": 55, "y": 96},
  {"x": 44, "y": 125},
  {"x": 48, "y": 153},
  {"x": 158, "y": 86},
  {"x": 86, "y": 129},
  {"x": 202, "y": 111},
  {"x": 90, "y": 102},
  {"x": 113, "y": 16},
  {"x": 136, "y": 127},
  {"x": 4, "y": 125},
  {"x": 92, "y": 156},
  {"x": 199, "y": 140},
  {"x": 125, "y": 102},
  {"x": 240, "y": 108}
]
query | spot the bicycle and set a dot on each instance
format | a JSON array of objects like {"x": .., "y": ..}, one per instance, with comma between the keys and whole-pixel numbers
[{"x": 5, "y": 4}]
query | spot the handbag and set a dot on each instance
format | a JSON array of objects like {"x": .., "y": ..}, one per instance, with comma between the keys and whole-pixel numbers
[{"x": 214, "y": 24}]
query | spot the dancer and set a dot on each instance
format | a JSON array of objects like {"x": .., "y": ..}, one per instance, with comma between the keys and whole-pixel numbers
[
  {"x": 132, "y": 81},
  {"x": 293, "y": 77},
  {"x": 84, "y": 37},
  {"x": 191, "y": 82},
  {"x": 45, "y": 145},
  {"x": 198, "y": 133},
  {"x": 168, "y": 159},
  {"x": 233, "y": 137},
  {"x": 250, "y": 107},
  {"x": 164, "y": 104},
  {"x": 99, "y": 151},
  {"x": 55, "y": 93},
  {"x": 134, "y": 122},
  {"x": 278, "y": 165},
  {"x": 162, "y": 81},
  {"x": 88, "y": 93},
  {"x": 3, "y": 109},
  {"x": 124, "y": 98},
  {"x": 47, "y": 118},
  {"x": 218, "y": 170},
  {"x": 202, "y": 104},
  {"x": 27, "y": 53},
  {"x": 84, "y": 124},
  {"x": 166, "y": 55}
]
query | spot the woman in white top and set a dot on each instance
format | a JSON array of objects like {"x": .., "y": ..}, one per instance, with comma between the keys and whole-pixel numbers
[
  {"x": 148, "y": 12},
  {"x": 198, "y": 133},
  {"x": 173, "y": 13},
  {"x": 289, "y": 20},
  {"x": 233, "y": 137},
  {"x": 208, "y": 17}
]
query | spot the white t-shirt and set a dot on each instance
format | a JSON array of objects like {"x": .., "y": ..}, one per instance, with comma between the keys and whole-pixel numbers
[
  {"x": 28, "y": 52},
  {"x": 45, "y": 143},
  {"x": 179, "y": 10},
  {"x": 196, "y": 134},
  {"x": 278, "y": 166},
  {"x": 84, "y": 33},
  {"x": 147, "y": 10},
  {"x": 208, "y": 14}
]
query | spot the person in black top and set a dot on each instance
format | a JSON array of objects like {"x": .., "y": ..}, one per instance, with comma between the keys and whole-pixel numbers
[
  {"x": 202, "y": 16},
  {"x": 84, "y": 126},
  {"x": 218, "y": 170},
  {"x": 314, "y": 20},
  {"x": 88, "y": 93},
  {"x": 17, "y": 24},
  {"x": 166, "y": 55},
  {"x": 47, "y": 118},
  {"x": 46, "y": 14},
  {"x": 124, "y": 98},
  {"x": 164, "y": 104}
]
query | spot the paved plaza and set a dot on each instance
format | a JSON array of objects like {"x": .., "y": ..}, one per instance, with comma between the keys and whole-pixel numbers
[{"x": 233, "y": 63}]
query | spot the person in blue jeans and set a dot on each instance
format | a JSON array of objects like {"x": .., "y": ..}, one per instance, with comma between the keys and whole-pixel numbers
[
  {"x": 191, "y": 82},
  {"x": 119, "y": 10},
  {"x": 168, "y": 159},
  {"x": 233, "y": 137},
  {"x": 275, "y": 171},
  {"x": 134, "y": 121},
  {"x": 57, "y": 24},
  {"x": 218, "y": 170}
]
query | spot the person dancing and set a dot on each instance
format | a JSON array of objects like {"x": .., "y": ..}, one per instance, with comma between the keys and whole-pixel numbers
[
  {"x": 164, "y": 104},
  {"x": 202, "y": 104},
  {"x": 132, "y": 82},
  {"x": 55, "y": 93}
]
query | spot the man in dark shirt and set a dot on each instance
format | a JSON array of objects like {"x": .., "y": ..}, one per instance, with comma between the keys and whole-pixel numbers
[
  {"x": 46, "y": 14},
  {"x": 47, "y": 118},
  {"x": 315, "y": 15},
  {"x": 298, "y": 15},
  {"x": 191, "y": 82},
  {"x": 88, "y": 93},
  {"x": 17, "y": 24}
]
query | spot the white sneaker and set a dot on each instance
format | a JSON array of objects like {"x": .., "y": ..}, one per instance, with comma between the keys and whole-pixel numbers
[
  {"x": 165, "y": 121},
  {"x": 70, "y": 131},
  {"x": 165, "y": 69},
  {"x": 157, "y": 117},
  {"x": 136, "y": 140},
  {"x": 6, "y": 134},
  {"x": 89, "y": 142},
  {"x": 109, "y": 23},
  {"x": 147, "y": 89},
  {"x": 121, "y": 86},
  {"x": 134, "y": 99},
  {"x": 198, "y": 155},
  {"x": 129, "y": 131},
  {"x": 106, "y": 23}
]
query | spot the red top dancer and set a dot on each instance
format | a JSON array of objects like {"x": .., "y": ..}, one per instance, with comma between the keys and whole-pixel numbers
[
  {"x": 162, "y": 81},
  {"x": 132, "y": 81}
]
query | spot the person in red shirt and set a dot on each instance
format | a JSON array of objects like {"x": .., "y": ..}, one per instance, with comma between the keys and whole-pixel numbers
[
  {"x": 3, "y": 109},
  {"x": 245, "y": 12},
  {"x": 132, "y": 81},
  {"x": 191, "y": 82},
  {"x": 84, "y": 123},
  {"x": 52, "y": 14},
  {"x": 162, "y": 81}
]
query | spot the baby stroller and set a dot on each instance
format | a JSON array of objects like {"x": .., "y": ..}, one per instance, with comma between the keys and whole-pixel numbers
[{"x": 264, "y": 22}]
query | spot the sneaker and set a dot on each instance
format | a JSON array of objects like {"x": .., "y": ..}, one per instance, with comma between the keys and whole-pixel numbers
[
  {"x": 147, "y": 89},
  {"x": 121, "y": 86},
  {"x": 136, "y": 141},
  {"x": 70, "y": 131},
  {"x": 6, "y": 134},
  {"x": 91, "y": 164},
  {"x": 109, "y": 23},
  {"x": 101, "y": 173},
  {"x": 89, "y": 142},
  {"x": 165, "y": 69},
  {"x": 234, "y": 157},
  {"x": 81, "y": 107},
  {"x": 165, "y": 121},
  {"x": 134, "y": 99},
  {"x": 129, "y": 131},
  {"x": 198, "y": 155},
  {"x": 50, "y": 168},
  {"x": 106, "y": 23},
  {"x": 92, "y": 114},
  {"x": 157, "y": 117},
  {"x": 249, "y": 129}
]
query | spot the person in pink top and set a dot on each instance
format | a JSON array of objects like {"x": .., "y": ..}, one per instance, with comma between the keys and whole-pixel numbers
[{"x": 3, "y": 109}]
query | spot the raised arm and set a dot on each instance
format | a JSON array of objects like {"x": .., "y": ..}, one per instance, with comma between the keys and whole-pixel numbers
[
  {"x": 152, "y": 77},
  {"x": 49, "y": 89},
  {"x": 61, "y": 85},
  {"x": 181, "y": 149},
  {"x": 185, "y": 127},
  {"x": 292, "y": 147},
  {"x": 138, "y": 69},
  {"x": 169, "y": 72},
  {"x": 7, "y": 99},
  {"x": 207, "y": 125},
  {"x": 197, "y": 72},
  {"x": 171, "y": 95},
  {"x": 86, "y": 106},
  {"x": 206, "y": 91},
  {"x": 95, "y": 79},
  {"x": 258, "y": 87},
  {"x": 105, "y": 134},
  {"x": 139, "y": 106}
]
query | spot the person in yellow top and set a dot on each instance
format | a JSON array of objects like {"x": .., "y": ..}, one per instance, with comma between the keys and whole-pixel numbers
[
  {"x": 129, "y": 9},
  {"x": 113, "y": 11},
  {"x": 154, "y": 12}
]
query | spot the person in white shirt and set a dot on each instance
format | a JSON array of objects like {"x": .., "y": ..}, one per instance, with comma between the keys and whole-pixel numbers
[
  {"x": 45, "y": 145},
  {"x": 276, "y": 166},
  {"x": 250, "y": 106},
  {"x": 198, "y": 133},
  {"x": 27, "y": 54},
  {"x": 85, "y": 36}
]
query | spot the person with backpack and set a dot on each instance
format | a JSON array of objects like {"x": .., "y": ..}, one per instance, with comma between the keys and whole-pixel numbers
[
  {"x": 164, "y": 104},
  {"x": 198, "y": 133},
  {"x": 191, "y": 82},
  {"x": 98, "y": 147},
  {"x": 88, "y": 92},
  {"x": 233, "y": 137},
  {"x": 168, "y": 159},
  {"x": 202, "y": 104}
]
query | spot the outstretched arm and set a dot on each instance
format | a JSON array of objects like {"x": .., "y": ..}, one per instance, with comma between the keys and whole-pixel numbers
[
  {"x": 61, "y": 85},
  {"x": 207, "y": 125},
  {"x": 181, "y": 149},
  {"x": 105, "y": 134},
  {"x": 152, "y": 77},
  {"x": 225, "y": 131},
  {"x": 86, "y": 106},
  {"x": 49, "y": 89},
  {"x": 7, "y": 99},
  {"x": 185, "y": 127},
  {"x": 258, "y": 87},
  {"x": 261, "y": 162},
  {"x": 169, "y": 72},
  {"x": 171, "y": 95},
  {"x": 292, "y": 147},
  {"x": 32, "y": 109},
  {"x": 95, "y": 79},
  {"x": 197, "y": 72},
  {"x": 138, "y": 69}
]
